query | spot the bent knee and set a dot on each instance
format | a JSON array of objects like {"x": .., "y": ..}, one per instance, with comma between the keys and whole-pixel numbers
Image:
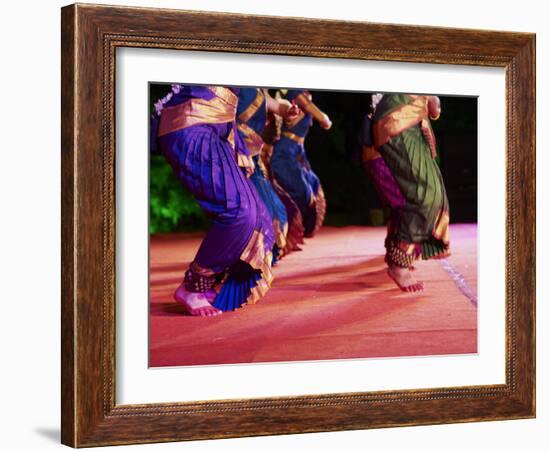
[{"x": 244, "y": 215}]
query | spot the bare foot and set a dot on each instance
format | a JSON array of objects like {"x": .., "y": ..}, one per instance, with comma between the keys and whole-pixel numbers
[
  {"x": 404, "y": 279},
  {"x": 196, "y": 303}
]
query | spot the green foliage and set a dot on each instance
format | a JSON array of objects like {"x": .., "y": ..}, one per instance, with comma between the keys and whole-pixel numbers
[{"x": 171, "y": 207}]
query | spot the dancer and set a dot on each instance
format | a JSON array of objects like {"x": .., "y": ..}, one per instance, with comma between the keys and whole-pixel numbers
[
  {"x": 399, "y": 155},
  {"x": 291, "y": 167},
  {"x": 254, "y": 103},
  {"x": 198, "y": 136},
  {"x": 295, "y": 233}
]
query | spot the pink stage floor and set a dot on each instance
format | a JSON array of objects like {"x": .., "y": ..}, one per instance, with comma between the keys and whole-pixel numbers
[{"x": 332, "y": 300}]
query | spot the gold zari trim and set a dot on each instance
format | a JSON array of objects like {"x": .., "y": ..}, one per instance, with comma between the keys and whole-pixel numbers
[
  {"x": 196, "y": 111},
  {"x": 245, "y": 161},
  {"x": 225, "y": 94},
  {"x": 254, "y": 106},
  {"x": 400, "y": 120},
  {"x": 441, "y": 227},
  {"x": 255, "y": 256},
  {"x": 266, "y": 153},
  {"x": 231, "y": 138},
  {"x": 429, "y": 136},
  {"x": 252, "y": 139},
  {"x": 280, "y": 234},
  {"x": 263, "y": 168},
  {"x": 320, "y": 210},
  {"x": 293, "y": 137}
]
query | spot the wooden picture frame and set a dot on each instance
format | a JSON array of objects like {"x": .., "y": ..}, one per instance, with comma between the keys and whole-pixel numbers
[{"x": 90, "y": 36}]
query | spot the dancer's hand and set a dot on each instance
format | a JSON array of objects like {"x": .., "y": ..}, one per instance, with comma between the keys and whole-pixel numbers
[
  {"x": 325, "y": 122},
  {"x": 434, "y": 107},
  {"x": 304, "y": 101},
  {"x": 288, "y": 110},
  {"x": 282, "y": 107}
]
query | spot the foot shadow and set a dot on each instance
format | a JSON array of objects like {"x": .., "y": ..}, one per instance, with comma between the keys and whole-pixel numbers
[
  {"x": 170, "y": 267},
  {"x": 165, "y": 281},
  {"x": 168, "y": 309}
]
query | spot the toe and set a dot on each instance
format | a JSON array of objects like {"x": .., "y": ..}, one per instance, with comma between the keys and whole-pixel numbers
[{"x": 214, "y": 312}]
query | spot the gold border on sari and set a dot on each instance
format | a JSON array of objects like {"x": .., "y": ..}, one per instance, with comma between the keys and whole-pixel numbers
[
  {"x": 194, "y": 112},
  {"x": 265, "y": 154},
  {"x": 441, "y": 227},
  {"x": 320, "y": 210},
  {"x": 280, "y": 234},
  {"x": 254, "y": 142},
  {"x": 295, "y": 234},
  {"x": 225, "y": 94},
  {"x": 254, "y": 106},
  {"x": 263, "y": 168},
  {"x": 258, "y": 259},
  {"x": 293, "y": 137},
  {"x": 429, "y": 136},
  {"x": 400, "y": 119},
  {"x": 245, "y": 161}
]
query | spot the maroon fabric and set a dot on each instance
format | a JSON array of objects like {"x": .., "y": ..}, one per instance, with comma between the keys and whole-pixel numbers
[{"x": 385, "y": 183}]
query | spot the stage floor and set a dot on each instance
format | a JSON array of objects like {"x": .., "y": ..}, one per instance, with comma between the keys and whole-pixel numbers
[{"x": 333, "y": 300}]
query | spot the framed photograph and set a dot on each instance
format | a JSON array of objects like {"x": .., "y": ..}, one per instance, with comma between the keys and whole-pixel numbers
[{"x": 283, "y": 225}]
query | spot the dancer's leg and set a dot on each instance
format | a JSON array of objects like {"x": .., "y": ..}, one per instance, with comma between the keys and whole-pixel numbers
[
  {"x": 196, "y": 292},
  {"x": 400, "y": 257},
  {"x": 241, "y": 227}
]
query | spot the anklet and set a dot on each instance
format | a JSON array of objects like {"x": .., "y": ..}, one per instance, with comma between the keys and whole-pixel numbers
[
  {"x": 396, "y": 256},
  {"x": 197, "y": 279}
]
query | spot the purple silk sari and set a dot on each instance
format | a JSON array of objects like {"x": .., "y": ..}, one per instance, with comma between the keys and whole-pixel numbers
[{"x": 198, "y": 137}]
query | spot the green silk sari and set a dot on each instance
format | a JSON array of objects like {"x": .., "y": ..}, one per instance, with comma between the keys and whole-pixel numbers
[{"x": 403, "y": 136}]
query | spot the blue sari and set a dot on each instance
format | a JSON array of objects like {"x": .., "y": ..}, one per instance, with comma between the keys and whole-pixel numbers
[
  {"x": 292, "y": 170},
  {"x": 251, "y": 119}
]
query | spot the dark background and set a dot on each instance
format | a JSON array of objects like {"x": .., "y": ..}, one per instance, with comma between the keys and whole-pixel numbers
[{"x": 334, "y": 156}]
